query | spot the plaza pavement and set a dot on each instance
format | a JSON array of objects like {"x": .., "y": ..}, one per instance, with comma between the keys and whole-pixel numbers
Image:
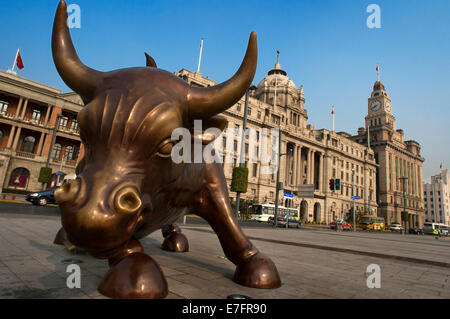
[{"x": 312, "y": 263}]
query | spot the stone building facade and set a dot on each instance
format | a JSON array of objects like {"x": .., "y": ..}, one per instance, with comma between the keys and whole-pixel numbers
[
  {"x": 29, "y": 112},
  {"x": 397, "y": 159},
  {"x": 437, "y": 197},
  {"x": 311, "y": 156}
]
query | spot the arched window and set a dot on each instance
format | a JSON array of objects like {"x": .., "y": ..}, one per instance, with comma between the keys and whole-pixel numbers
[
  {"x": 28, "y": 144},
  {"x": 56, "y": 153},
  {"x": 19, "y": 178}
]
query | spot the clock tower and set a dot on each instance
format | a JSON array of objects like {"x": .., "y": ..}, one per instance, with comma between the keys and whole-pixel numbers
[{"x": 379, "y": 119}]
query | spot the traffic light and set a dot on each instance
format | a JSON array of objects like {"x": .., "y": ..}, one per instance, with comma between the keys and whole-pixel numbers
[
  {"x": 337, "y": 184},
  {"x": 332, "y": 184}
]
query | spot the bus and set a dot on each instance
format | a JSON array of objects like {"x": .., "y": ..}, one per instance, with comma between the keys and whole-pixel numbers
[
  {"x": 262, "y": 212},
  {"x": 369, "y": 222},
  {"x": 435, "y": 229}
]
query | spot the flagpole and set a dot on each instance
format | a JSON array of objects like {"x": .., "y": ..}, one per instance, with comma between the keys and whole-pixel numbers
[
  {"x": 200, "y": 56},
  {"x": 15, "y": 60},
  {"x": 275, "y": 97},
  {"x": 332, "y": 113}
]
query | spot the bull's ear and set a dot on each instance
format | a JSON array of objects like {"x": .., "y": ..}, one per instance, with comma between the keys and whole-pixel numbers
[
  {"x": 150, "y": 61},
  {"x": 218, "y": 122}
]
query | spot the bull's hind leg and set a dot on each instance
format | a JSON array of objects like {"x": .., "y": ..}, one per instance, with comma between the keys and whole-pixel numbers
[
  {"x": 133, "y": 275},
  {"x": 174, "y": 240},
  {"x": 253, "y": 268}
]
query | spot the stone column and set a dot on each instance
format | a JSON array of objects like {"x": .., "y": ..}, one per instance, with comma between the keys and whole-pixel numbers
[
  {"x": 47, "y": 116},
  {"x": 11, "y": 136},
  {"x": 24, "y": 109},
  {"x": 294, "y": 172},
  {"x": 41, "y": 141},
  {"x": 300, "y": 167},
  {"x": 18, "y": 107},
  {"x": 308, "y": 167},
  {"x": 16, "y": 139},
  {"x": 313, "y": 168},
  {"x": 321, "y": 175}
]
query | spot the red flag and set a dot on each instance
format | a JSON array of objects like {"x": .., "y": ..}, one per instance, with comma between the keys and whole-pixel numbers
[
  {"x": 377, "y": 68},
  {"x": 332, "y": 110},
  {"x": 19, "y": 62},
  {"x": 441, "y": 165}
]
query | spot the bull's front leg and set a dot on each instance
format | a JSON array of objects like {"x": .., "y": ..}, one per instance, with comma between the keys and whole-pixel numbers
[
  {"x": 174, "y": 240},
  {"x": 253, "y": 268},
  {"x": 133, "y": 274},
  {"x": 61, "y": 239}
]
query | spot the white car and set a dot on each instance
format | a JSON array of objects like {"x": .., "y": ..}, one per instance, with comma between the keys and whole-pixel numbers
[{"x": 396, "y": 227}]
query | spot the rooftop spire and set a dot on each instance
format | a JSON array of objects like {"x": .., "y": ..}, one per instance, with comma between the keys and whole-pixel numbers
[
  {"x": 277, "y": 65},
  {"x": 378, "y": 73}
]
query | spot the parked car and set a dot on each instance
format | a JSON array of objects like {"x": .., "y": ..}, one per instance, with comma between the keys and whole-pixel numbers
[
  {"x": 396, "y": 227},
  {"x": 42, "y": 198},
  {"x": 283, "y": 219},
  {"x": 345, "y": 226},
  {"x": 416, "y": 231}
]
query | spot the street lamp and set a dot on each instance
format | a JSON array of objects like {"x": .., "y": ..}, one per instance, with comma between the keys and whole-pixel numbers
[
  {"x": 242, "y": 155},
  {"x": 353, "y": 199},
  {"x": 277, "y": 188},
  {"x": 403, "y": 179},
  {"x": 52, "y": 144}
]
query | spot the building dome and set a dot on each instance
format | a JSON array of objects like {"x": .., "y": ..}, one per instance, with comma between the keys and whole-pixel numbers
[
  {"x": 278, "y": 75},
  {"x": 286, "y": 92}
]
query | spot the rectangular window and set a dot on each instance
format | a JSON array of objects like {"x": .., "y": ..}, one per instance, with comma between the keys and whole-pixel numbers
[
  {"x": 255, "y": 169},
  {"x": 63, "y": 122},
  {"x": 3, "y": 107},
  {"x": 259, "y": 115},
  {"x": 36, "y": 116}
]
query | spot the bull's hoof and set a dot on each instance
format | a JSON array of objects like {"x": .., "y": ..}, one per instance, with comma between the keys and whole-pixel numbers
[
  {"x": 137, "y": 276},
  {"x": 176, "y": 242},
  {"x": 61, "y": 239},
  {"x": 258, "y": 271}
]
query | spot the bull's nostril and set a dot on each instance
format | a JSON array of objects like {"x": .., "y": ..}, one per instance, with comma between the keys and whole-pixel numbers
[
  {"x": 67, "y": 192},
  {"x": 127, "y": 201}
]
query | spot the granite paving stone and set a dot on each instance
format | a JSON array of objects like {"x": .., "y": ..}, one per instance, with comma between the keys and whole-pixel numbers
[{"x": 31, "y": 266}]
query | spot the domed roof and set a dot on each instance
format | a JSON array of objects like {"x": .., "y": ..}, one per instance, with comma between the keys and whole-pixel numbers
[{"x": 278, "y": 75}]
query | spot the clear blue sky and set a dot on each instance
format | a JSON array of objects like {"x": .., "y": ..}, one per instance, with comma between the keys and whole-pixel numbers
[{"x": 325, "y": 46}]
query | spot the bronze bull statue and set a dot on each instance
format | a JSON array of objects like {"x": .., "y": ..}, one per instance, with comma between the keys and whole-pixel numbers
[{"x": 128, "y": 186}]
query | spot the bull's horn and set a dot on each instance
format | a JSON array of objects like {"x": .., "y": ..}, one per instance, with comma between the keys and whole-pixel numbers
[
  {"x": 150, "y": 61},
  {"x": 206, "y": 102},
  {"x": 80, "y": 78}
]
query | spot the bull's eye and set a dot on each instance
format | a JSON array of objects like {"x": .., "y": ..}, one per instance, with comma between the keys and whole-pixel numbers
[{"x": 166, "y": 149}]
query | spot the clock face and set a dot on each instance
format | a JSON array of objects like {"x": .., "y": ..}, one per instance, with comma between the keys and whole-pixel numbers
[
  {"x": 375, "y": 105},
  {"x": 388, "y": 106}
]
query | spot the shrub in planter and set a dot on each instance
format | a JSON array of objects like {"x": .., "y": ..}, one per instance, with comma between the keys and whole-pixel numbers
[
  {"x": 45, "y": 175},
  {"x": 239, "y": 182}
]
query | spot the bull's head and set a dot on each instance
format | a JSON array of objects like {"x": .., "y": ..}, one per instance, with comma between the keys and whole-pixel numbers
[{"x": 126, "y": 129}]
